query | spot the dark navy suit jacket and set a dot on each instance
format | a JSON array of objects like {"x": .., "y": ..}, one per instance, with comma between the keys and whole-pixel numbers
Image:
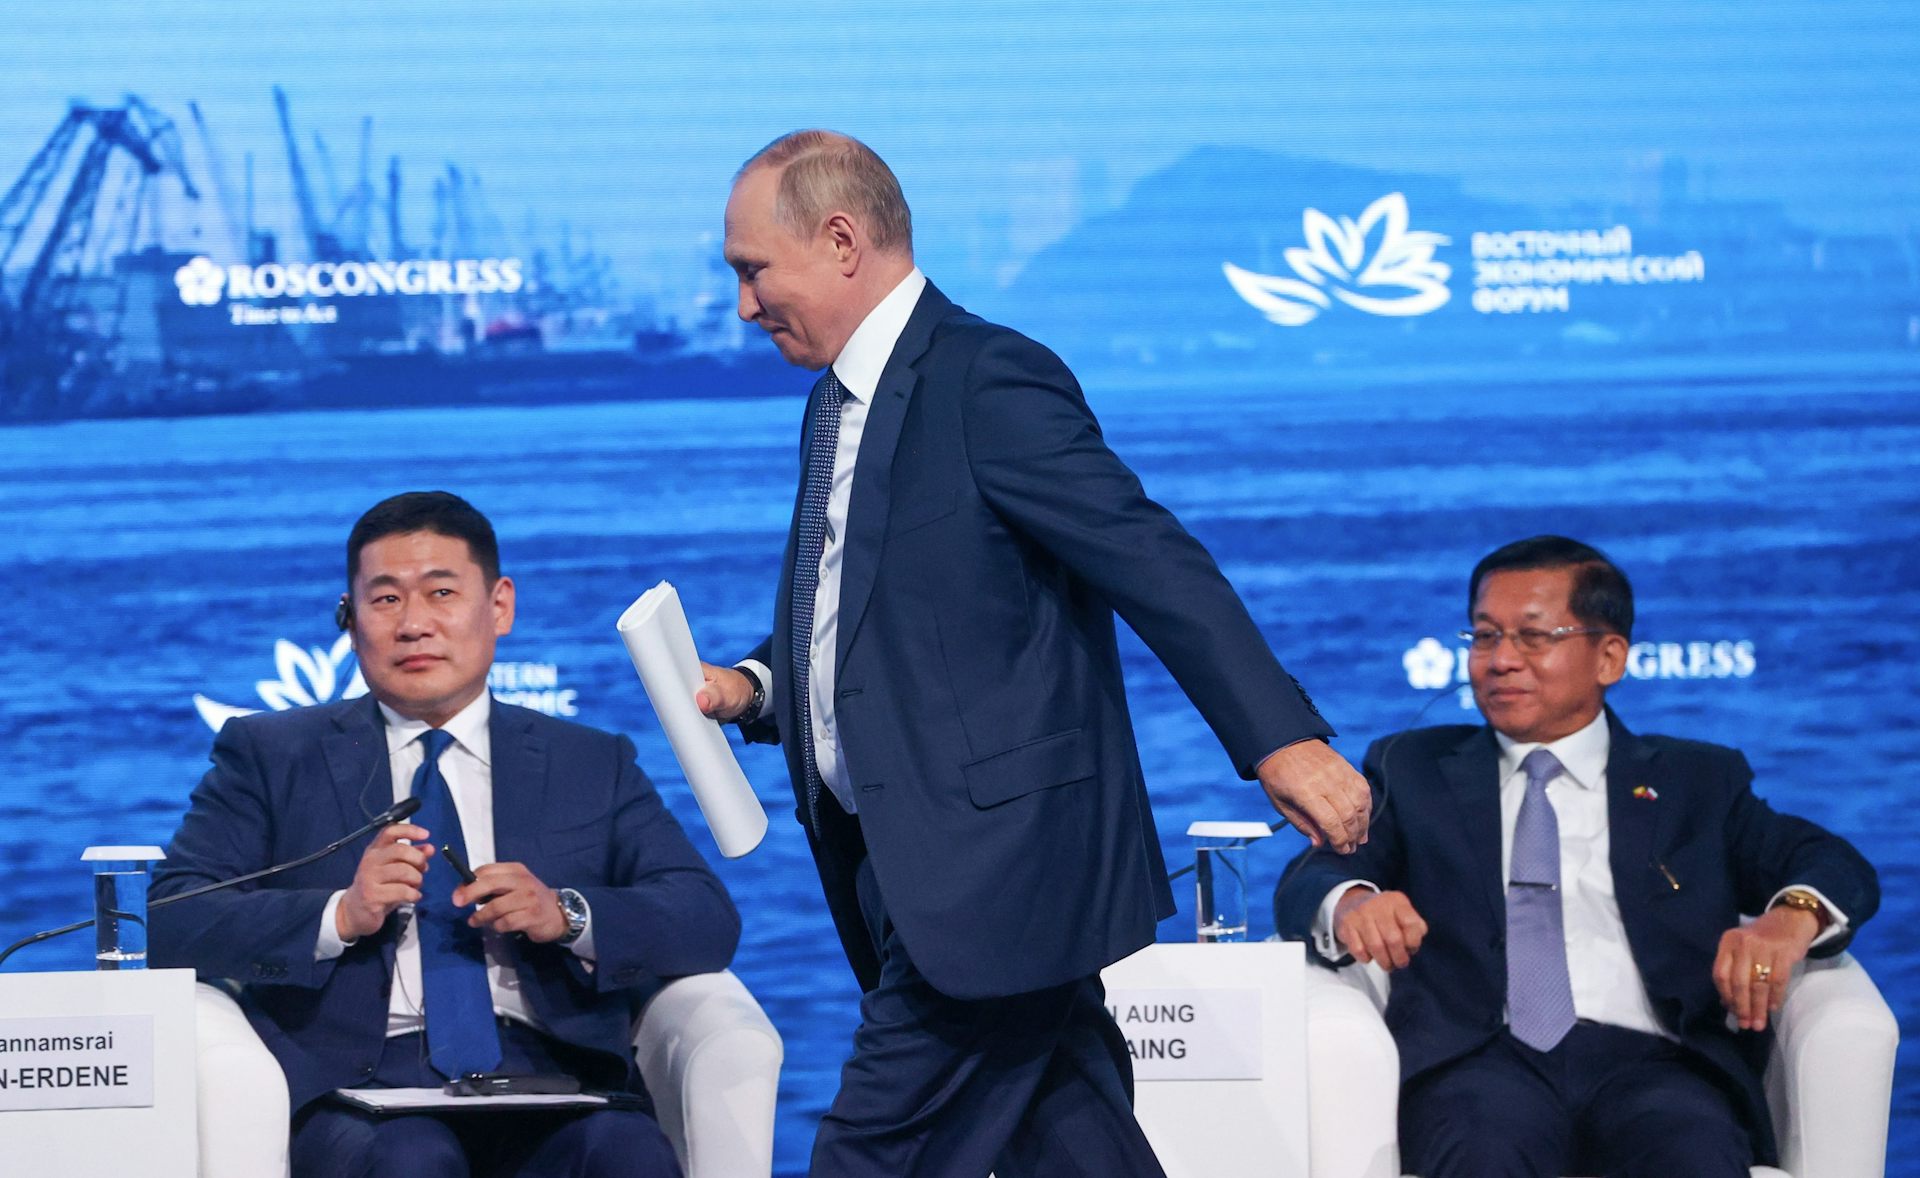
[
  {"x": 991, "y": 538},
  {"x": 568, "y": 801},
  {"x": 1437, "y": 839}
]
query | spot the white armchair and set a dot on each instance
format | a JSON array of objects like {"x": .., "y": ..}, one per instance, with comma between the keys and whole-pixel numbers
[
  {"x": 1829, "y": 1080},
  {"x": 708, "y": 1054}
]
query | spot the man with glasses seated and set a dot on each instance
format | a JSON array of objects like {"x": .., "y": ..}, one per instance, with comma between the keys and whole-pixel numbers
[{"x": 1560, "y": 902}]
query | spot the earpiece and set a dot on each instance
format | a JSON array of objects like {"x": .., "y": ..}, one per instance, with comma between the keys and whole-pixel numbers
[{"x": 343, "y": 613}]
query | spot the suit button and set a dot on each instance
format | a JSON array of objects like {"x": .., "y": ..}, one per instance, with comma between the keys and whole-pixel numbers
[
  {"x": 366, "y": 1069},
  {"x": 1497, "y": 941}
]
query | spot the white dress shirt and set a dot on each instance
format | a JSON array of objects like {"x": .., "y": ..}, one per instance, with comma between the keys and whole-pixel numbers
[
  {"x": 467, "y": 768},
  {"x": 858, "y": 368},
  {"x": 1607, "y": 986}
]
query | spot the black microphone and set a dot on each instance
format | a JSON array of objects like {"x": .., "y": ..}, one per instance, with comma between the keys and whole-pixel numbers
[{"x": 398, "y": 812}]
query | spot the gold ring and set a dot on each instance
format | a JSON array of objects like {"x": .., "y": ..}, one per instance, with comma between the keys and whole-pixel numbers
[{"x": 1762, "y": 972}]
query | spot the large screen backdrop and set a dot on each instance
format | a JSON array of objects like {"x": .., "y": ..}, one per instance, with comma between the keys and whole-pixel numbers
[{"x": 1360, "y": 293}]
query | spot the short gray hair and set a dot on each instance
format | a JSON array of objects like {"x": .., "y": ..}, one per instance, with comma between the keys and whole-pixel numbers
[{"x": 823, "y": 172}]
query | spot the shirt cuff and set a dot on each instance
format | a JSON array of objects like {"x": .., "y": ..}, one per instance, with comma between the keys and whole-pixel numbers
[
  {"x": 1323, "y": 937},
  {"x": 329, "y": 945},
  {"x": 1836, "y": 919},
  {"x": 765, "y": 675}
]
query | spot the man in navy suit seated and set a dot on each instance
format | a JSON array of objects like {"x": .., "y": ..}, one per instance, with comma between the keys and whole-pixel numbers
[
  {"x": 1560, "y": 902},
  {"x": 378, "y": 966}
]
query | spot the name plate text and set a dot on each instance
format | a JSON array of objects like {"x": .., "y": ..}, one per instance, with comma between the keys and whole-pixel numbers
[
  {"x": 1191, "y": 1033},
  {"x": 91, "y": 1061}
]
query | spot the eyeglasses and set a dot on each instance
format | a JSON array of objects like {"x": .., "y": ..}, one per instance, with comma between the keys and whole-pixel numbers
[{"x": 1528, "y": 641}]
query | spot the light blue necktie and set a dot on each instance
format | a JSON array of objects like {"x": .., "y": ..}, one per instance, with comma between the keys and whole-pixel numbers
[
  {"x": 821, "y": 448},
  {"x": 1539, "y": 992},
  {"x": 461, "y": 1036}
]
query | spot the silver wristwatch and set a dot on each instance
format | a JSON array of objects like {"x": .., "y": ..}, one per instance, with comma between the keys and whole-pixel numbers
[{"x": 573, "y": 906}]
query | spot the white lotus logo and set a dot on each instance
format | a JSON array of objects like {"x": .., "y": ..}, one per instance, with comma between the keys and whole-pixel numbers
[
  {"x": 200, "y": 282},
  {"x": 1336, "y": 263},
  {"x": 307, "y": 677},
  {"x": 1429, "y": 665}
]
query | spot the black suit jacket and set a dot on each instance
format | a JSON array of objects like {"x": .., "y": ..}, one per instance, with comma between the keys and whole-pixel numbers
[
  {"x": 1437, "y": 839},
  {"x": 568, "y": 801},
  {"x": 991, "y": 538}
]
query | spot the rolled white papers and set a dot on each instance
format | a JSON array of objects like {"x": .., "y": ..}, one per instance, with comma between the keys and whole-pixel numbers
[{"x": 656, "y": 635}]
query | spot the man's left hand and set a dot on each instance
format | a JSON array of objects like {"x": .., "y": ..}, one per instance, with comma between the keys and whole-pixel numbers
[
  {"x": 1756, "y": 962},
  {"x": 1315, "y": 789},
  {"x": 512, "y": 900}
]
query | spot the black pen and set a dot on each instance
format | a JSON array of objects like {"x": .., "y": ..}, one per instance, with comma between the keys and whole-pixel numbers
[{"x": 459, "y": 862}]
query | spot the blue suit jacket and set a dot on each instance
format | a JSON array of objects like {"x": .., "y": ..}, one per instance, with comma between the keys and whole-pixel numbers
[
  {"x": 1438, "y": 840},
  {"x": 568, "y": 801},
  {"x": 991, "y": 538}
]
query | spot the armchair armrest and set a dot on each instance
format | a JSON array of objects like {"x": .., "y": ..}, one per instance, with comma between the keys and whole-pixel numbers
[
  {"x": 711, "y": 1060},
  {"x": 241, "y": 1091},
  {"x": 1830, "y": 1077},
  {"x": 1353, "y": 1074}
]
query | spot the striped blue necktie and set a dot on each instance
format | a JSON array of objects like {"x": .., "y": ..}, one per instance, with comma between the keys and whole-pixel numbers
[
  {"x": 1539, "y": 991},
  {"x": 821, "y": 448},
  {"x": 461, "y": 1035}
]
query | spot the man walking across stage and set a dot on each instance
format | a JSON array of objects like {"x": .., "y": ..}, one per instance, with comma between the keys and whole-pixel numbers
[
  {"x": 943, "y": 676},
  {"x": 378, "y": 967}
]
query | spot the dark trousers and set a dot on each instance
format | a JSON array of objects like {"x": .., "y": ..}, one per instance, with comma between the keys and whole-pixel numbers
[
  {"x": 1606, "y": 1101},
  {"x": 1029, "y": 1086},
  {"x": 333, "y": 1140}
]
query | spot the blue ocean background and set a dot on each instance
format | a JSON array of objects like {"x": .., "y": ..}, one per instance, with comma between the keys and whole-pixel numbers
[
  {"x": 148, "y": 561},
  {"x": 1746, "y": 442}
]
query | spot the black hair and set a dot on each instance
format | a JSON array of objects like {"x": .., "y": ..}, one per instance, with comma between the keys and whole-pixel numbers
[
  {"x": 439, "y": 512},
  {"x": 1600, "y": 596}
]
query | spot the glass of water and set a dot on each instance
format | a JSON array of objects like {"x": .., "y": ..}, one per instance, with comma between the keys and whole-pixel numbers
[
  {"x": 120, "y": 876},
  {"x": 1220, "y": 877}
]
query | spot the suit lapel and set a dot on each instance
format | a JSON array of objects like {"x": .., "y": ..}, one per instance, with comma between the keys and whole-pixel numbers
[
  {"x": 1636, "y": 825},
  {"x": 356, "y": 755},
  {"x": 782, "y": 651},
  {"x": 867, "y": 512},
  {"x": 519, "y": 784},
  {"x": 362, "y": 772},
  {"x": 1472, "y": 771}
]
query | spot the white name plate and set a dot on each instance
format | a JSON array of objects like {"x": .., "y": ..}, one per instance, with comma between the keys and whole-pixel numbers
[
  {"x": 1191, "y": 1033},
  {"x": 93, "y": 1061}
]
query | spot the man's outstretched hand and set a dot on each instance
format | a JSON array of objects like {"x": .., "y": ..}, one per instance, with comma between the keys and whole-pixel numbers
[{"x": 1315, "y": 789}]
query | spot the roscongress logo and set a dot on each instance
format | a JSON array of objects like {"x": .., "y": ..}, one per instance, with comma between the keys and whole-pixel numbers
[
  {"x": 306, "y": 676},
  {"x": 204, "y": 282},
  {"x": 1433, "y": 665},
  {"x": 1397, "y": 276},
  {"x": 200, "y": 282}
]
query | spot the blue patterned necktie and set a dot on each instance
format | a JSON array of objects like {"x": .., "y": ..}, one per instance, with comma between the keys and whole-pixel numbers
[
  {"x": 821, "y": 448},
  {"x": 1539, "y": 992},
  {"x": 461, "y": 1036}
]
